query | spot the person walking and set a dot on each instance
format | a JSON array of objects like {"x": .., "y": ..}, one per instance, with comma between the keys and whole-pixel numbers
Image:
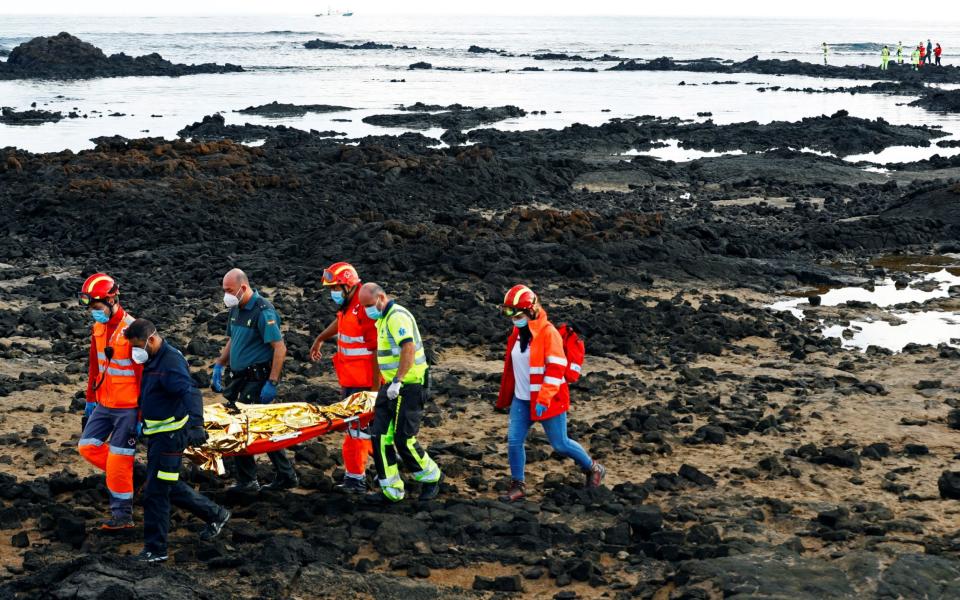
[
  {"x": 109, "y": 424},
  {"x": 929, "y": 52},
  {"x": 534, "y": 388},
  {"x": 399, "y": 407},
  {"x": 355, "y": 363},
  {"x": 900, "y": 53},
  {"x": 884, "y": 58},
  {"x": 172, "y": 410},
  {"x": 923, "y": 55},
  {"x": 937, "y": 52},
  {"x": 825, "y": 50},
  {"x": 254, "y": 352}
]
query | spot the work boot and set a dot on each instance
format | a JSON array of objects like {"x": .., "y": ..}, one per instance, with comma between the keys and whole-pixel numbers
[
  {"x": 595, "y": 475},
  {"x": 429, "y": 491},
  {"x": 214, "y": 527},
  {"x": 282, "y": 483},
  {"x": 248, "y": 487},
  {"x": 516, "y": 493},
  {"x": 352, "y": 485},
  {"x": 117, "y": 524},
  {"x": 147, "y": 556}
]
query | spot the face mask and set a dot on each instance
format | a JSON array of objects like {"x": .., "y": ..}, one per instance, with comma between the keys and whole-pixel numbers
[
  {"x": 519, "y": 323},
  {"x": 373, "y": 312},
  {"x": 100, "y": 316},
  {"x": 140, "y": 355},
  {"x": 230, "y": 300},
  {"x": 337, "y": 297}
]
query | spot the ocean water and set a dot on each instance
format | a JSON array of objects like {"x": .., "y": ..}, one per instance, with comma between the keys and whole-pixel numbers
[{"x": 280, "y": 68}]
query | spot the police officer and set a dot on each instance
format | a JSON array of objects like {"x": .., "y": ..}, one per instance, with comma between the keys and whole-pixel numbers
[
  {"x": 399, "y": 406},
  {"x": 255, "y": 353},
  {"x": 172, "y": 411}
]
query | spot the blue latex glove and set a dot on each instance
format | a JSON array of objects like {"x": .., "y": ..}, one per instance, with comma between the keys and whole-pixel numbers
[
  {"x": 268, "y": 394},
  {"x": 541, "y": 409},
  {"x": 217, "y": 383},
  {"x": 139, "y": 429},
  {"x": 88, "y": 409}
]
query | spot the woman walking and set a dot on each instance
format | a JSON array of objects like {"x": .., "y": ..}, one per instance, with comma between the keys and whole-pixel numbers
[{"x": 534, "y": 387}]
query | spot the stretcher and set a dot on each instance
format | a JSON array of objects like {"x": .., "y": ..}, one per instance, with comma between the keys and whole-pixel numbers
[{"x": 250, "y": 429}]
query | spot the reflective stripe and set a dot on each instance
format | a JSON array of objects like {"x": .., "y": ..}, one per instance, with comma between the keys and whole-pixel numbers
[
  {"x": 90, "y": 442},
  {"x": 154, "y": 427},
  {"x": 395, "y": 350},
  {"x": 168, "y": 476},
  {"x": 356, "y": 352},
  {"x": 388, "y": 366},
  {"x": 420, "y": 360},
  {"x": 101, "y": 355},
  {"x": 553, "y": 380},
  {"x": 121, "y": 372},
  {"x": 534, "y": 387},
  {"x": 575, "y": 367},
  {"x": 390, "y": 481},
  {"x": 121, "y": 362},
  {"x": 556, "y": 360},
  {"x": 348, "y": 339},
  {"x": 123, "y": 451},
  {"x": 536, "y": 370},
  {"x": 122, "y": 495}
]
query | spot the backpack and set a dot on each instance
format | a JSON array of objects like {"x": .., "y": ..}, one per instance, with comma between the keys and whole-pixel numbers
[{"x": 574, "y": 349}]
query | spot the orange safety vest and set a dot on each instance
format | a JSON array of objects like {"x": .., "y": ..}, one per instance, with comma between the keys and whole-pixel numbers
[
  {"x": 548, "y": 369},
  {"x": 120, "y": 387},
  {"x": 356, "y": 346}
]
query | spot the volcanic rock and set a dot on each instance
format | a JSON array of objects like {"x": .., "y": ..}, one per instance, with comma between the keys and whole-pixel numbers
[{"x": 277, "y": 109}]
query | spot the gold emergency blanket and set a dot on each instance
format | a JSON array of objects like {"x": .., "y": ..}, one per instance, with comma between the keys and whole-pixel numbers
[{"x": 243, "y": 429}]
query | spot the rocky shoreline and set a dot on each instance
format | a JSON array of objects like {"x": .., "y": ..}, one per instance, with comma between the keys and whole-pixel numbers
[
  {"x": 749, "y": 455},
  {"x": 64, "y": 56}
]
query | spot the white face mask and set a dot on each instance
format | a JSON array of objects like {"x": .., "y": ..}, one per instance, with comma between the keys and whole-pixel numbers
[
  {"x": 230, "y": 300},
  {"x": 140, "y": 355}
]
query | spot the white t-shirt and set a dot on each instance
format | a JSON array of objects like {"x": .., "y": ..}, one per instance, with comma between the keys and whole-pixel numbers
[{"x": 521, "y": 371}]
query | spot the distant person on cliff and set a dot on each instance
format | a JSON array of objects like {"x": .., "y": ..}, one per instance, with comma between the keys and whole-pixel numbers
[
  {"x": 937, "y": 52},
  {"x": 826, "y": 49},
  {"x": 884, "y": 58},
  {"x": 915, "y": 58},
  {"x": 929, "y": 52},
  {"x": 900, "y": 53},
  {"x": 534, "y": 387},
  {"x": 923, "y": 55}
]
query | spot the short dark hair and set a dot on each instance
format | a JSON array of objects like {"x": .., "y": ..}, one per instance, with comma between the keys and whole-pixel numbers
[{"x": 140, "y": 329}]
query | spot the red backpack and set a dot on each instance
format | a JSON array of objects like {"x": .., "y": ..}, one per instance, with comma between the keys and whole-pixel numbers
[{"x": 574, "y": 349}]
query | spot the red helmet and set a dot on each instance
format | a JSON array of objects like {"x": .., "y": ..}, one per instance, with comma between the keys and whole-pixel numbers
[
  {"x": 341, "y": 273},
  {"x": 98, "y": 287},
  {"x": 520, "y": 297}
]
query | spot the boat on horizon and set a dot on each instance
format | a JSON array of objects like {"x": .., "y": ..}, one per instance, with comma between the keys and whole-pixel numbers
[{"x": 335, "y": 13}]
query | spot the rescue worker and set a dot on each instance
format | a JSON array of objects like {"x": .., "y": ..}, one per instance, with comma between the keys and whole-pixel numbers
[
  {"x": 355, "y": 363},
  {"x": 825, "y": 50},
  {"x": 937, "y": 52},
  {"x": 884, "y": 58},
  {"x": 929, "y": 52},
  {"x": 399, "y": 407},
  {"x": 915, "y": 58},
  {"x": 172, "y": 410},
  {"x": 923, "y": 55},
  {"x": 109, "y": 438},
  {"x": 900, "y": 53},
  {"x": 255, "y": 353},
  {"x": 534, "y": 388}
]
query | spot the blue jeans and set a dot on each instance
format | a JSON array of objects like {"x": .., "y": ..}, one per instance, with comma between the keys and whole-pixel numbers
[{"x": 556, "y": 430}]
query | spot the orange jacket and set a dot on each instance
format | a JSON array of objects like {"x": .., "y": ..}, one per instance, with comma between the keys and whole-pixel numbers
[
  {"x": 118, "y": 376},
  {"x": 356, "y": 346},
  {"x": 548, "y": 365}
]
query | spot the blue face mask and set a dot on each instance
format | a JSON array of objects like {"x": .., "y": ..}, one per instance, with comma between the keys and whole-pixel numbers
[
  {"x": 100, "y": 316},
  {"x": 373, "y": 312},
  {"x": 337, "y": 297},
  {"x": 520, "y": 322}
]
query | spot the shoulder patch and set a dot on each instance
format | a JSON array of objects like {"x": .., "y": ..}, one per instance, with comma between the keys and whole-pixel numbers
[{"x": 402, "y": 331}]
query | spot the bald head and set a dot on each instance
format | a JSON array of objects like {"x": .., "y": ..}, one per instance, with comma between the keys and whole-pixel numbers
[
  {"x": 371, "y": 294},
  {"x": 235, "y": 283}
]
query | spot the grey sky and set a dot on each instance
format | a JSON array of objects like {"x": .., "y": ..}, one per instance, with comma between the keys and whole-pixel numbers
[{"x": 942, "y": 11}]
